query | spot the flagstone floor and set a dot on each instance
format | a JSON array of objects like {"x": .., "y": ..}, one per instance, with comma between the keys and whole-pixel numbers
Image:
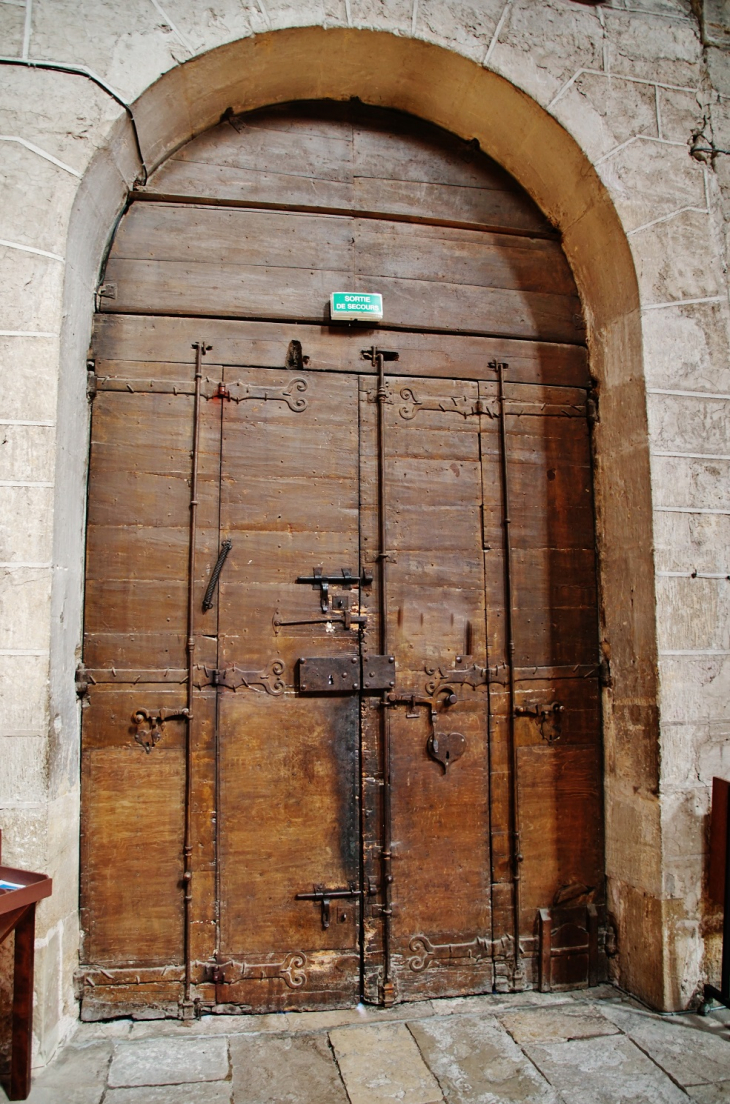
[{"x": 593, "y": 1047}]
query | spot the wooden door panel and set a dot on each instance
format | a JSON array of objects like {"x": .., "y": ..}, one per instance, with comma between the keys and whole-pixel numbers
[
  {"x": 556, "y": 729},
  {"x": 273, "y": 265},
  {"x": 359, "y": 158},
  {"x": 132, "y": 832},
  {"x": 149, "y": 341},
  {"x": 289, "y": 764},
  {"x": 135, "y": 734},
  {"x": 441, "y": 927}
]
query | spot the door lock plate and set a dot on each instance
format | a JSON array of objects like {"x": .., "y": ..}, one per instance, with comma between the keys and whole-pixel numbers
[
  {"x": 343, "y": 675},
  {"x": 329, "y": 675},
  {"x": 378, "y": 672}
]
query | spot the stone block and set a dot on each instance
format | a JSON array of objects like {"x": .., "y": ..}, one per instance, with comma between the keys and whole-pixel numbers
[
  {"x": 602, "y": 112},
  {"x": 542, "y": 45},
  {"x": 715, "y": 24},
  {"x": 710, "y": 1094},
  {"x": 649, "y": 180},
  {"x": 693, "y": 614},
  {"x": 608, "y": 1070},
  {"x": 718, "y": 68},
  {"x": 688, "y": 481},
  {"x": 688, "y": 1056},
  {"x": 687, "y": 347},
  {"x": 77, "y": 1076},
  {"x": 23, "y": 777},
  {"x": 129, "y": 46},
  {"x": 554, "y": 1025},
  {"x": 64, "y": 114},
  {"x": 475, "y": 1059},
  {"x": 694, "y": 689},
  {"x": 491, "y": 1003},
  {"x": 24, "y": 605},
  {"x": 679, "y": 423},
  {"x": 26, "y": 521},
  {"x": 678, "y": 259},
  {"x": 12, "y": 24},
  {"x": 205, "y": 28},
  {"x": 680, "y": 114},
  {"x": 23, "y": 714},
  {"x": 459, "y": 24},
  {"x": 381, "y": 1064},
  {"x": 377, "y": 15},
  {"x": 712, "y": 744},
  {"x": 37, "y": 196},
  {"x": 30, "y": 298},
  {"x": 204, "y": 1092},
  {"x": 28, "y": 373},
  {"x": 168, "y": 1062},
  {"x": 633, "y": 839},
  {"x": 279, "y": 1070},
  {"x": 27, "y": 452},
  {"x": 654, "y": 48},
  {"x": 692, "y": 542}
]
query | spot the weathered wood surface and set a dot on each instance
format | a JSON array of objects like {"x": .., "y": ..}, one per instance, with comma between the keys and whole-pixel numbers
[
  {"x": 288, "y": 767},
  {"x": 348, "y": 157},
  {"x": 137, "y": 348},
  {"x": 236, "y": 263},
  {"x": 287, "y": 787}
]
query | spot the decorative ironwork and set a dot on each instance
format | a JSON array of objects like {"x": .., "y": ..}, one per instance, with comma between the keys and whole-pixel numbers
[
  {"x": 452, "y": 404},
  {"x": 268, "y": 681},
  {"x": 151, "y": 725},
  {"x": 440, "y": 680},
  {"x": 446, "y": 747},
  {"x": 291, "y": 971},
  {"x": 239, "y": 391},
  {"x": 426, "y": 953}
]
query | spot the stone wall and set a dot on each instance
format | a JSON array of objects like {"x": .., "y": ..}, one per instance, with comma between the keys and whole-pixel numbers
[{"x": 594, "y": 109}]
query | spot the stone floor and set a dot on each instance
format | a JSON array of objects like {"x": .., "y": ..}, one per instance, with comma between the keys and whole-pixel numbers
[{"x": 594, "y": 1047}]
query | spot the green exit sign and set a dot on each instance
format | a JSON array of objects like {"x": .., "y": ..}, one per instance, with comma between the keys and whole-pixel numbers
[{"x": 348, "y": 305}]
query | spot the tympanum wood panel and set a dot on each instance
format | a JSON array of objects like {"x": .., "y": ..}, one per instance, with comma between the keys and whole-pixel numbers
[{"x": 356, "y": 158}]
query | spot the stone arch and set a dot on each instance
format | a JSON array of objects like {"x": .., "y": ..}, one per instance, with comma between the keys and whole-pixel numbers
[{"x": 461, "y": 96}]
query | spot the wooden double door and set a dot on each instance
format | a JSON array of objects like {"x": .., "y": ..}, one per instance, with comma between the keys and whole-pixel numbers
[
  {"x": 341, "y": 727},
  {"x": 361, "y": 752}
]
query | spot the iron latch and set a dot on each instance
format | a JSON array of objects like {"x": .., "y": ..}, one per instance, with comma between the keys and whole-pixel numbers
[
  {"x": 325, "y": 896},
  {"x": 344, "y": 579},
  {"x": 548, "y": 718}
]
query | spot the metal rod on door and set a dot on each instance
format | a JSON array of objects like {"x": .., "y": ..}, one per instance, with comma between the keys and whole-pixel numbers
[
  {"x": 387, "y": 987},
  {"x": 519, "y": 974},
  {"x": 187, "y": 1007}
]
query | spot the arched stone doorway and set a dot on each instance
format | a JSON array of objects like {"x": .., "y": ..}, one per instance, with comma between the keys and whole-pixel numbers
[{"x": 417, "y": 871}]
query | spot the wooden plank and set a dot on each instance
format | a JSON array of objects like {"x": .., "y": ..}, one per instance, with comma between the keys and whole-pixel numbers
[
  {"x": 368, "y": 159},
  {"x": 560, "y": 806},
  {"x": 146, "y": 341},
  {"x": 238, "y": 263},
  {"x": 131, "y": 840}
]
